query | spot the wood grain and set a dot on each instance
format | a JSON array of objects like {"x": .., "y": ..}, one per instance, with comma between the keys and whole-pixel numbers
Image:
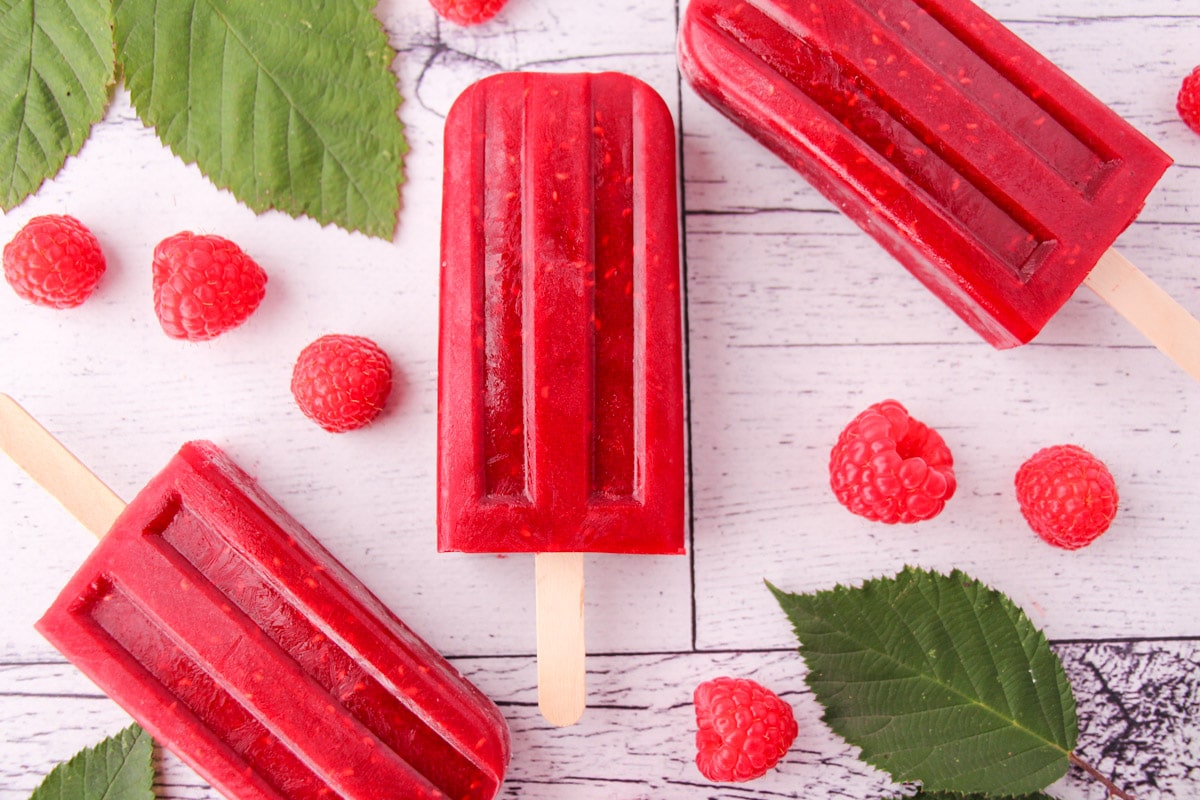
[
  {"x": 795, "y": 322},
  {"x": 561, "y": 649},
  {"x": 1137, "y": 706}
]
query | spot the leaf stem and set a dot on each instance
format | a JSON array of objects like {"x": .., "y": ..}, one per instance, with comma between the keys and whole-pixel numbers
[{"x": 1113, "y": 789}]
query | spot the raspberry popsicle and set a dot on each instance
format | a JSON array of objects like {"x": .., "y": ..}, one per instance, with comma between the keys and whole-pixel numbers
[
  {"x": 229, "y": 633},
  {"x": 996, "y": 179},
  {"x": 560, "y": 411}
]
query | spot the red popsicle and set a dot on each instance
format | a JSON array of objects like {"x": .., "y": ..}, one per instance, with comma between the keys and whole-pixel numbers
[
  {"x": 560, "y": 406},
  {"x": 996, "y": 179},
  {"x": 237, "y": 641}
]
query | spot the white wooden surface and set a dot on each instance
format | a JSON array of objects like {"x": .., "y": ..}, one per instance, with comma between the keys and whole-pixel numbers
[{"x": 796, "y": 321}]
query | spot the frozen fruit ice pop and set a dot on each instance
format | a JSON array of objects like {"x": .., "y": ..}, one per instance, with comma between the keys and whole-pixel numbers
[
  {"x": 240, "y": 643},
  {"x": 560, "y": 385},
  {"x": 560, "y": 407},
  {"x": 996, "y": 179}
]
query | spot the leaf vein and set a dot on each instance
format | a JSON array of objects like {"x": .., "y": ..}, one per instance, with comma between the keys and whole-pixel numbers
[
  {"x": 263, "y": 71},
  {"x": 21, "y": 127},
  {"x": 937, "y": 678}
]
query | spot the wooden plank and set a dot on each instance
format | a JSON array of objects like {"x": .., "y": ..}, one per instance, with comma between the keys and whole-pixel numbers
[
  {"x": 636, "y": 739},
  {"x": 796, "y": 321}
]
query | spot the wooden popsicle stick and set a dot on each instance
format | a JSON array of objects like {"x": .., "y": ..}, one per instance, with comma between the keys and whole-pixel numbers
[
  {"x": 562, "y": 693},
  {"x": 47, "y": 461},
  {"x": 1167, "y": 325}
]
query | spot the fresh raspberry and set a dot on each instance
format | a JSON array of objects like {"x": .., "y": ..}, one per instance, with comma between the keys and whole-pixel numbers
[
  {"x": 204, "y": 286},
  {"x": 54, "y": 261},
  {"x": 887, "y": 466},
  {"x": 744, "y": 729},
  {"x": 1188, "y": 103},
  {"x": 1067, "y": 495},
  {"x": 341, "y": 382},
  {"x": 467, "y": 12}
]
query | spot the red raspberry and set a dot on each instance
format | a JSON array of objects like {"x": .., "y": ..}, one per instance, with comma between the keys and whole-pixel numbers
[
  {"x": 1067, "y": 495},
  {"x": 888, "y": 467},
  {"x": 1188, "y": 103},
  {"x": 467, "y": 12},
  {"x": 342, "y": 382},
  {"x": 744, "y": 729},
  {"x": 54, "y": 261},
  {"x": 204, "y": 286}
]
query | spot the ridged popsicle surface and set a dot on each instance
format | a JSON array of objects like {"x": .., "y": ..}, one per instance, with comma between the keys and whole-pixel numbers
[
  {"x": 230, "y": 634},
  {"x": 991, "y": 175},
  {"x": 560, "y": 360}
]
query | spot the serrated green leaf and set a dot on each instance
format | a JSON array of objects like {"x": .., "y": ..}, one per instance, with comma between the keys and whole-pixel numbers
[
  {"x": 939, "y": 680},
  {"x": 976, "y": 796},
  {"x": 119, "y": 768},
  {"x": 291, "y": 106},
  {"x": 58, "y": 67}
]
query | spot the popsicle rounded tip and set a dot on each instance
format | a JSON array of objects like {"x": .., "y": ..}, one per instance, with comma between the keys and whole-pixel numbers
[{"x": 561, "y": 712}]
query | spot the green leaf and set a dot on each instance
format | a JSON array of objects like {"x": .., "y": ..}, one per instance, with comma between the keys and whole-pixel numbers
[
  {"x": 119, "y": 768},
  {"x": 58, "y": 67},
  {"x": 291, "y": 106},
  {"x": 939, "y": 680},
  {"x": 975, "y": 796}
]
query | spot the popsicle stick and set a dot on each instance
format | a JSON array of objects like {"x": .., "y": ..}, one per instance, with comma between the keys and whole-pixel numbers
[
  {"x": 52, "y": 465},
  {"x": 562, "y": 694},
  {"x": 1167, "y": 325}
]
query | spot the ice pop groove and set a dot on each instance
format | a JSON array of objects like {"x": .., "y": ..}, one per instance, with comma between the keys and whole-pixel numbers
[
  {"x": 996, "y": 179},
  {"x": 232, "y": 636},
  {"x": 560, "y": 361},
  {"x": 560, "y": 358}
]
